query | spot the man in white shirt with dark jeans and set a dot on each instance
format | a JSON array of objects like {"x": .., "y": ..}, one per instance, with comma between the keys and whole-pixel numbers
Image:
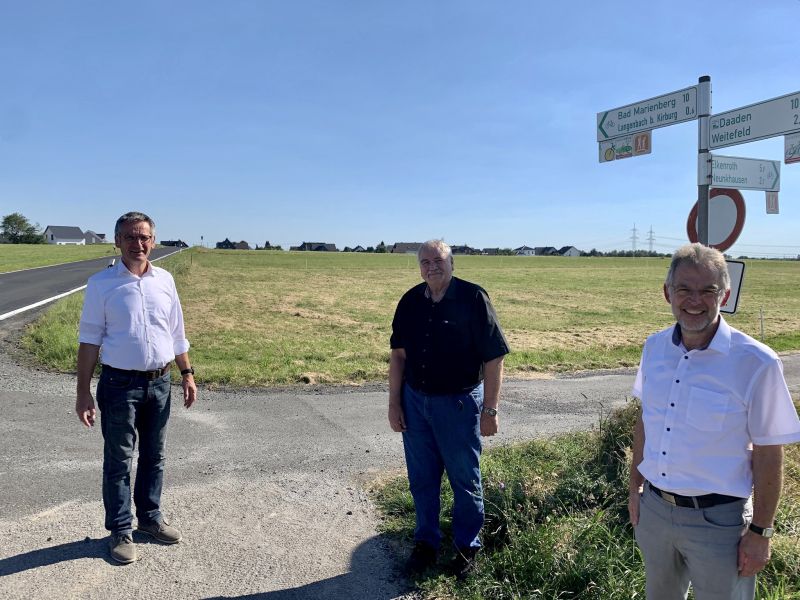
[
  {"x": 132, "y": 314},
  {"x": 716, "y": 413}
]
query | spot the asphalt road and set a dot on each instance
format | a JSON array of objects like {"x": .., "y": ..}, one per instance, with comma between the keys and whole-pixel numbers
[{"x": 23, "y": 288}]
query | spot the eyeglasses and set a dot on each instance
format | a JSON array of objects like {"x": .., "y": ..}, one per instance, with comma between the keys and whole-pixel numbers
[
  {"x": 142, "y": 239},
  {"x": 709, "y": 293}
]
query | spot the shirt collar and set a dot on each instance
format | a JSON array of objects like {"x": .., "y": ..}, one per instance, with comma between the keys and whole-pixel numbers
[
  {"x": 721, "y": 342},
  {"x": 449, "y": 294},
  {"x": 123, "y": 271}
]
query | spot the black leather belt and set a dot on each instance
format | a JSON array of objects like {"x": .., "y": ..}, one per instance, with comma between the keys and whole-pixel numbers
[
  {"x": 426, "y": 391},
  {"x": 149, "y": 375},
  {"x": 704, "y": 501}
]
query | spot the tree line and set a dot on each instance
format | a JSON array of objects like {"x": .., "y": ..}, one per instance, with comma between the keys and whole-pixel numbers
[{"x": 16, "y": 229}]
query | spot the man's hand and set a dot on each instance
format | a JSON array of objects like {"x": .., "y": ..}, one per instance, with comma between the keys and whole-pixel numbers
[
  {"x": 489, "y": 424},
  {"x": 84, "y": 407},
  {"x": 397, "y": 420},
  {"x": 634, "y": 497},
  {"x": 189, "y": 390},
  {"x": 754, "y": 553}
]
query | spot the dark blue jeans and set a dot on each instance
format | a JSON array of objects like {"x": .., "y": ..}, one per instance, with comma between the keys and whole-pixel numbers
[
  {"x": 131, "y": 404},
  {"x": 443, "y": 434}
]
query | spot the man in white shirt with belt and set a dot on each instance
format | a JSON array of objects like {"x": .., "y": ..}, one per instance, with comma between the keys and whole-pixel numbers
[
  {"x": 716, "y": 413},
  {"x": 132, "y": 314}
]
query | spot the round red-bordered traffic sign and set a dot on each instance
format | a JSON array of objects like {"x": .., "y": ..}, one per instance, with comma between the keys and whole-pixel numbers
[{"x": 726, "y": 199}]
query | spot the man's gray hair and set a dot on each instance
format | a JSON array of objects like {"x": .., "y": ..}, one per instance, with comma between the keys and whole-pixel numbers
[
  {"x": 439, "y": 245},
  {"x": 134, "y": 217},
  {"x": 700, "y": 255}
]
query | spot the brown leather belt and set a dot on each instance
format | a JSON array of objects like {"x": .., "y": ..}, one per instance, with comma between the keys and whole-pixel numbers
[{"x": 149, "y": 375}]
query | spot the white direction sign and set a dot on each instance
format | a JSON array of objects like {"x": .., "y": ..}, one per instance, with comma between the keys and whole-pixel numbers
[
  {"x": 733, "y": 172},
  {"x": 756, "y": 122},
  {"x": 648, "y": 114}
]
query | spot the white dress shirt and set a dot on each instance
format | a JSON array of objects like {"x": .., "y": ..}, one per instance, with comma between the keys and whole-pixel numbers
[
  {"x": 137, "y": 321},
  {"x": 704, "y": 409}
]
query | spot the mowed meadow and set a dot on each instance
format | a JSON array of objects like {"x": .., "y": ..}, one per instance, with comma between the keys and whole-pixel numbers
[
  {"x": 14, "y": 257},
  {"x": 273, "y": 318}
]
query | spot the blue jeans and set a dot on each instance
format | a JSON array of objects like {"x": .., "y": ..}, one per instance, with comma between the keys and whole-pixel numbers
[
  {"x": 131, "y": 404},
  {"x": 443, "y": 434}
]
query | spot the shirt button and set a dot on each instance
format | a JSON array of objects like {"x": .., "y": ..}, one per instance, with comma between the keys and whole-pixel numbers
[
  {"x": 677, "y": 381},
  {"x": 663, "y": 474},
  {"x": 686, "y": 357},
  {"x": 664, "y": 453},
  {"x": 668, "y": 429},
  {"x": 672, "y": 404}
]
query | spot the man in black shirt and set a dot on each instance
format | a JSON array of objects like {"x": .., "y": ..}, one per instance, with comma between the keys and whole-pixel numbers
[{"x": 445, "y": 373}]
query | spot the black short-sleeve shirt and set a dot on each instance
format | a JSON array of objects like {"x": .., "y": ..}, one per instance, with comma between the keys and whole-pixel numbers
[{"x": 447, "y": 342}]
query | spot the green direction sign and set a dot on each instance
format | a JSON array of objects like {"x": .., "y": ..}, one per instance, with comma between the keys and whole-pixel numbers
[
  {"x": 756, "y": 121},
  {"x": 734, "y": 172},
  {"x": 660, "y": 111}
]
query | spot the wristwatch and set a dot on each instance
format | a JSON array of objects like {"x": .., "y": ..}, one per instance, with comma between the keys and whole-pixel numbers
[
  {"x": 766, "y": 532},
  {"x": 189, "y": 371},
  {"x": 492, "y": 412}
]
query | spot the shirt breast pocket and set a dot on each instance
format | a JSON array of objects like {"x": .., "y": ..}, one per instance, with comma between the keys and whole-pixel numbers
[{"x": 707, "y": 409}]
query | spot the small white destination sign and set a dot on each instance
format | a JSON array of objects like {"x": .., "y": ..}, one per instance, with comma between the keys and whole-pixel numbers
[{"x": 734, "y": 172}]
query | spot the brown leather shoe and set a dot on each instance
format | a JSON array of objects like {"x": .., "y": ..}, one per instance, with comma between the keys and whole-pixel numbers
[
  {"x": 163, "y": 532},
  {"x": 122, "y": 548}
]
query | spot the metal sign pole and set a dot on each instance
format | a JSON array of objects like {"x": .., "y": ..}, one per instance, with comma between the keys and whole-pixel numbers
[{"x": 703, "y": 156}]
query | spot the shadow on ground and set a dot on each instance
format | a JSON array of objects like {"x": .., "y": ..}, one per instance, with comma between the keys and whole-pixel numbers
[
  {"x": 374, "y": 575},
  {"x": 86, "y": 548}
]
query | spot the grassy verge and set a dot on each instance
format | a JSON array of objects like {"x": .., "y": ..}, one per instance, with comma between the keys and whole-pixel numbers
[
  {"x": 557, "y": 522},
  {"x": 265, "y": 318},
  {"x": 14, "y": 257}
]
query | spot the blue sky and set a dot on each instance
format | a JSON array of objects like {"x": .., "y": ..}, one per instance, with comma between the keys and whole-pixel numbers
[{"x": 354, "y": 122}]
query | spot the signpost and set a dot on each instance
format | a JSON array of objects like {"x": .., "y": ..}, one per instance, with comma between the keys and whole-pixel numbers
[
  {"x": 620, "y": 134},
  {"x": 756, "y": 121},
  {"x": 660, "y": 111},
  {"x": 734, "y": 172}
]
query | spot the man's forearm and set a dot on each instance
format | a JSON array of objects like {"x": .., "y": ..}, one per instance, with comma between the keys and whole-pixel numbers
[
  {"x": 492, "y": 381},
  {"x": 183, "y": 362},
  {"x": 397, "y": 364},
  {"x": 767, "y": 483},
  {"x": 87, "y": 360},
  {"x": 636, "y": 478}
]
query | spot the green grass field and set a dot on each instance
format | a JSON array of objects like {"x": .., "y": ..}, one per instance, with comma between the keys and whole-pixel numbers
[
  {"x": 14, "y": 257},
  {"x": 263, "y": 318}
]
